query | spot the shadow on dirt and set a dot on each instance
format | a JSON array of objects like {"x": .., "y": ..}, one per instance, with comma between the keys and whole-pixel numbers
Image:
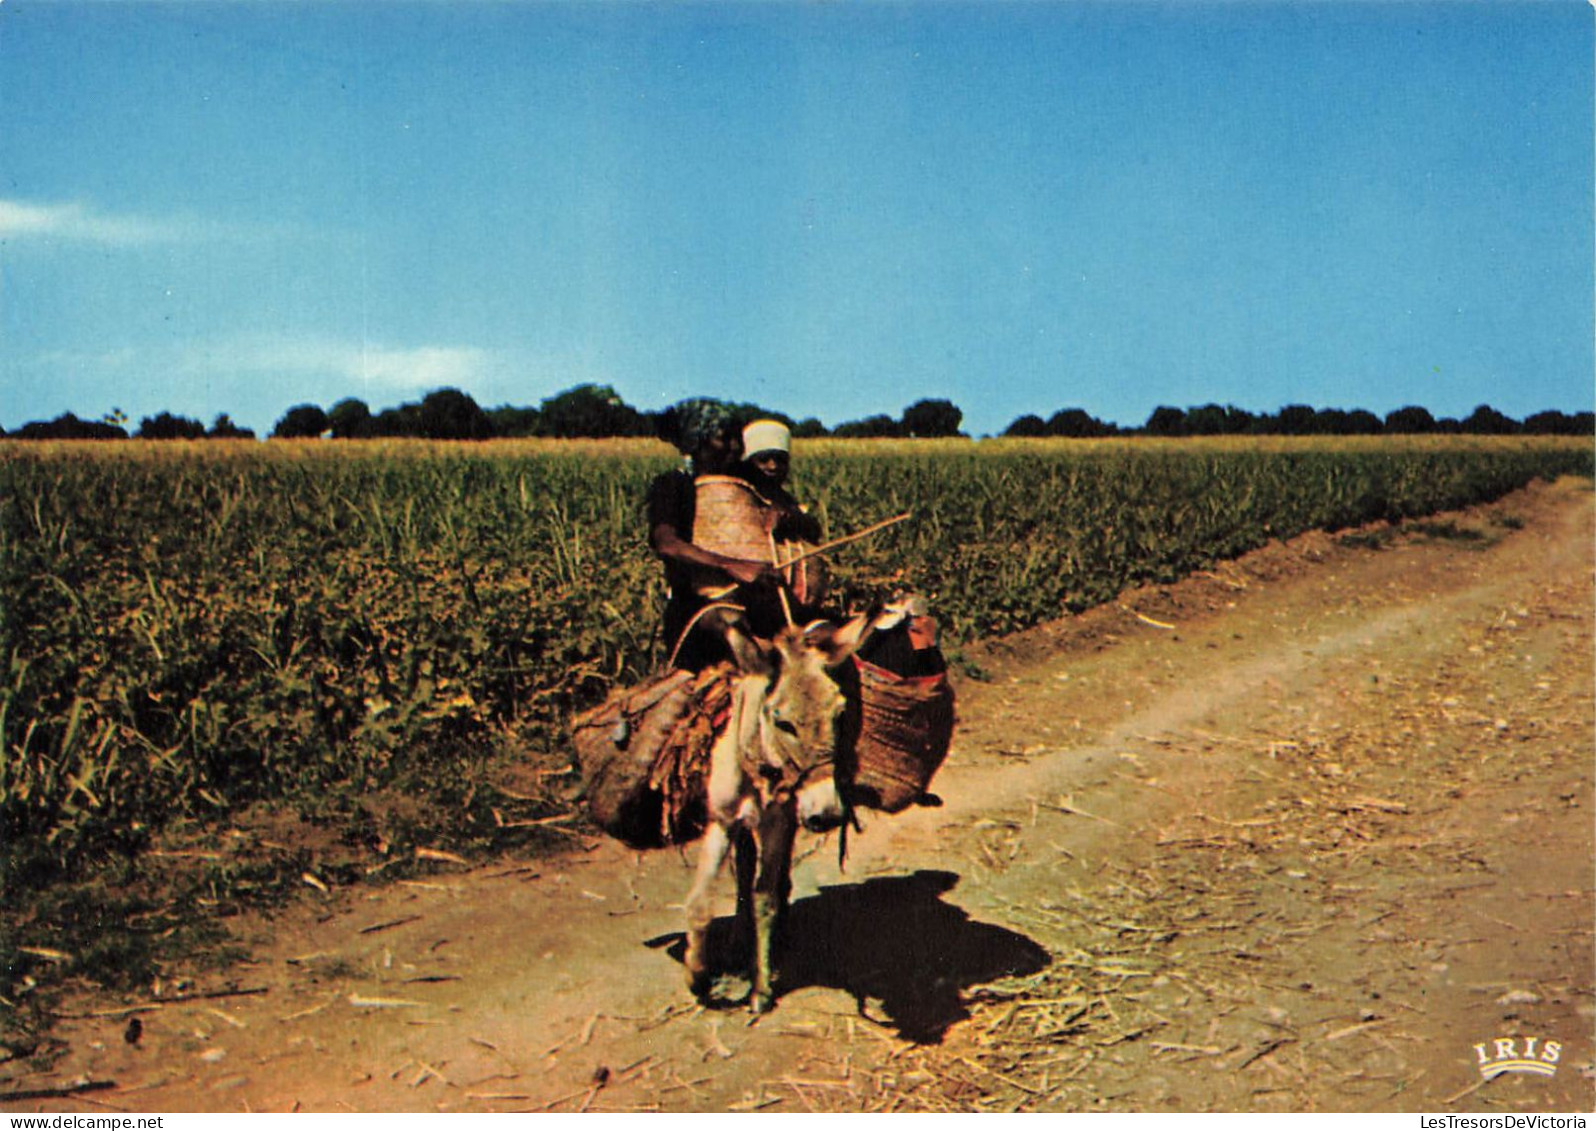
[{"x": 891, "y": 943}]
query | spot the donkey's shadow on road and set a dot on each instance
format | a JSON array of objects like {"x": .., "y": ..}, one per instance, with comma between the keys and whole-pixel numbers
[{"x": 904, "y": 955}]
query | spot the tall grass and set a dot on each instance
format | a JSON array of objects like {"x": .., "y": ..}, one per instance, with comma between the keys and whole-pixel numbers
[{"x": 187, "y": 628}]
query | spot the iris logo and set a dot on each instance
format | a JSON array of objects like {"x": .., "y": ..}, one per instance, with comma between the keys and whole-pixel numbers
[{"x": 1518, "y": 1054}]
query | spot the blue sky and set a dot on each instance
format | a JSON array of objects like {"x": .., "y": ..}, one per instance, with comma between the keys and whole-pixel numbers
[{"x": 832, "y": 208}]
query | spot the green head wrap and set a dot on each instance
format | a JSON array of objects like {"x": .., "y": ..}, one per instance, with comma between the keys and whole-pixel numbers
[{"x": 696, "y": 420}]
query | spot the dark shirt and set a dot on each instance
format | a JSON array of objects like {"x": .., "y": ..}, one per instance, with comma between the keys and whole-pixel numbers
[{"x": 672, "y": 501}]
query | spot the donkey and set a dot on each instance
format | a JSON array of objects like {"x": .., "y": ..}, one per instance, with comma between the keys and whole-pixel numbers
[{"x": 770, "y": 769}]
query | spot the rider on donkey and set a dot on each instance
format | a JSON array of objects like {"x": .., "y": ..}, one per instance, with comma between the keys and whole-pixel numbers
[{"x": 706, "y": 432}]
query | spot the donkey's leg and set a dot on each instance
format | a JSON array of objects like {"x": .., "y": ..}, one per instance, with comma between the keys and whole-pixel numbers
[
  {"x": 729, "y": 808},
  {"x": 745, "y": 862},
  {"x": 777, "y": 826},
  {"x": 700, "y": 909}
]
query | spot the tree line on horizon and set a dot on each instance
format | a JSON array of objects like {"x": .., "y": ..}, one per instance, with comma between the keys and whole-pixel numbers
[{"x": 597, "y": 412}]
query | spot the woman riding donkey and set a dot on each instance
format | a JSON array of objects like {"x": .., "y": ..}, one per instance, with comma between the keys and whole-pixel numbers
[{"x": 707, "y": 433}]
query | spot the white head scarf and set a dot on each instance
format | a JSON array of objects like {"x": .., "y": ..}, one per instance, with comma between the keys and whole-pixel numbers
[{"x": 766, "y": 436}]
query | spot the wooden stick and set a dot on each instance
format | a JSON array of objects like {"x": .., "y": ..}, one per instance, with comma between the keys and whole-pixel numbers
[
  {"x": 1146, "y": 619},
  {"x": 1452, "y": 1099},
  {"x": 158, "y": 1003},
  {"x": 775, "y": 560},
  {"x": 1262, "y": 1051},
  {"x": 846, "y": 538},
  {"x": 720, "y": 592},
  {"x": 375, "y": 927},
  {"x": 56, "y": 1093},
  {"x": 1360, "y": 1028}
]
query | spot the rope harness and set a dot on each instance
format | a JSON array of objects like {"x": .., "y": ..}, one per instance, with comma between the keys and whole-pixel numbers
[
  {"x": 773, "y": 783},
  {"x": 693, "y": 623}
]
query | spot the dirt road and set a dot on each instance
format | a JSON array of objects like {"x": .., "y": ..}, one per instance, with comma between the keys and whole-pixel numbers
[{"x": 1297, "y": 835}]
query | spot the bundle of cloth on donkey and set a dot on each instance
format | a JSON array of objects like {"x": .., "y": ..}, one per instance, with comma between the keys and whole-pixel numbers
[{"x": 769, "y": 713}]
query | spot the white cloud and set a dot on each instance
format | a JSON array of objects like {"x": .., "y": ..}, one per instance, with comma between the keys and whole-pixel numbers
[
  {"x": 374, "y": 367},
  {"x": 371, "y": 368},
  {"x": 73, "y": 222},
  {"x": 425, "y": 367},
  {"x": 76, "y": 222}
]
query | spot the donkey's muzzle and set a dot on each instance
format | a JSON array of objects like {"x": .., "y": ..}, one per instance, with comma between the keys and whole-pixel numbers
[
  {"x": 823, "y": 822},
  {"x": 820, "y": 805}
]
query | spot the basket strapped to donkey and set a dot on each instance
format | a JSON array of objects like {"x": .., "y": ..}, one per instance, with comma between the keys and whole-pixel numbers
[
  {"x": 906, "y": 716},
  {"x": 644, "y": 755},
  {"x": 644, "y": 752}
]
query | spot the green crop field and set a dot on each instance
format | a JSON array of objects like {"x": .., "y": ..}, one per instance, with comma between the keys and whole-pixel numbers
[{"x": 191, "y": 629}]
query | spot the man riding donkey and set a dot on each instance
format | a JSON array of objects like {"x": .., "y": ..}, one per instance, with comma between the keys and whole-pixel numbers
[
  {"x": 723, "y": 526},
  {"x": 768, "y": 715},
  {"x": 709, "y": 579}
]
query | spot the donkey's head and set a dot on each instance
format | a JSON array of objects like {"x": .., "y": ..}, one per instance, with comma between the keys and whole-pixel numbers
[{"x": 801, "y": 723}]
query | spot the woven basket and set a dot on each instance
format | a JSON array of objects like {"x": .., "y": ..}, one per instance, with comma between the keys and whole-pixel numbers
[
  {"x": 905, "y": 729},
  {"x": 731, "y": 518}
]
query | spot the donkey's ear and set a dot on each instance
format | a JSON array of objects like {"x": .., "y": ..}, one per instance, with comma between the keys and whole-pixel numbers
[
  {"x": 847, "y": 638},
  {"x": 838, "y": 643},
  {"x": 752, "y": 656}
]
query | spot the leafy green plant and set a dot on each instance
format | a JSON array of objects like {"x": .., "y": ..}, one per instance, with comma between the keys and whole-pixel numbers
[{"x": 190, "y": 632}]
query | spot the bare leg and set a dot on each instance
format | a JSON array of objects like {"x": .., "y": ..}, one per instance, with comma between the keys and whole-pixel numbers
[{"x": 700, "y": 908}]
